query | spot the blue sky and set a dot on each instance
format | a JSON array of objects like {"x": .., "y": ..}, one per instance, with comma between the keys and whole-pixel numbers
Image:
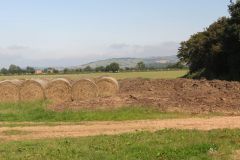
[{"x": 72, "y": 32}]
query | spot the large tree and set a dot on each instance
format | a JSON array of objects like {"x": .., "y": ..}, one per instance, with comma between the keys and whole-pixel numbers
[{"x": 215, "y": 52}]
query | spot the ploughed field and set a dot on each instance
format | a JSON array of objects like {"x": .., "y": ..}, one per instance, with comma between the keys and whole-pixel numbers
[
  {"x": 175, "y": 95},
  {"x": 168, "y": 95}
]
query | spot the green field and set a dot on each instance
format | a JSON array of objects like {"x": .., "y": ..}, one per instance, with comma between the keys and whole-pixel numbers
[
  {"x": 121, "y": 75},
  {"x": 38, "y": 112},
  {"x": 161, "y": 145}
]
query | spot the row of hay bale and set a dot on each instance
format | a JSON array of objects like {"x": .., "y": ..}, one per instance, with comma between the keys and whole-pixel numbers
[{"x": 58, "y": 90}]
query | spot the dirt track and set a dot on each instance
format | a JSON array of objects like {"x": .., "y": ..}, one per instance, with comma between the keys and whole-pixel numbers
[{"x": 110, "y": 128}]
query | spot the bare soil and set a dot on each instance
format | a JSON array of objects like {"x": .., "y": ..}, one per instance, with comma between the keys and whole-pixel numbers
[
  {"x": 236, "y": 155},
  {"x": 181, "y": 95},
  {"x": 111, "y": 128}
]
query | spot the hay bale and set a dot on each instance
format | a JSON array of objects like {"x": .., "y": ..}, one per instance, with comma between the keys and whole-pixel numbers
[
  {"x": 59, "y": 90},
  {"x": 107, "y": 86},
  {"x": 84, "y": 89},
  {"x": 32, "y": 90},
  {"x": 9, "y": 90}
]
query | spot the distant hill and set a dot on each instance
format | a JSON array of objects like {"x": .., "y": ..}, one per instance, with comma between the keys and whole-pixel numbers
[{"x": 159, "y": 62}]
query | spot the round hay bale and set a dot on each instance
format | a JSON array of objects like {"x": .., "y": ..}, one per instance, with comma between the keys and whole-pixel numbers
[
  {"x": 59, "y": 90},
  {"x": 9, "y": 90},
  {"x": 32, "y": 90},
  {"x": 107, "y": 86},
  {"x": 84, "y": 89}
]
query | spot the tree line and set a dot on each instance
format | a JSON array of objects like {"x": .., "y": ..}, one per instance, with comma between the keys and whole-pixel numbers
[
  {"x": 113, "y": 67},
  {"x": 14, "y": 69},
  {"x": 215, "y": 52}
]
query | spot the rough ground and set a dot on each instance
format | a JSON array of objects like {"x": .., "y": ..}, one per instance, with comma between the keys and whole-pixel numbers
[
  {"x": 110, "y": 128},
  {"x": 236, "y": 155},
  {"x": 182, "y": 95}
]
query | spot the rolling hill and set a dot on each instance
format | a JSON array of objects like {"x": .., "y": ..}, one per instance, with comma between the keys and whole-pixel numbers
[{"x": 159, "y": 62}]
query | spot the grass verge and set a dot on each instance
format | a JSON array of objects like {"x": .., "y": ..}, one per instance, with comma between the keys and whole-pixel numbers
[
  {"x": 38, "y": 112},
  {"x": 161, "y": 145}
]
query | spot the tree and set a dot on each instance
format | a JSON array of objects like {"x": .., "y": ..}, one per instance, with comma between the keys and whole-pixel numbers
[
  {"x": 100, "y": 69},
  {"x": 127, "y": 68},
  {"x": 177, "y": 65},
  {"x": 113, "y": 67},
  {"x": 232, "y": 42},
  {"x": 55, "y": 71},
  {"x": 49, "y": 70},
  {"x": 215, "y": 52},
  {"x": 66, "y": 70},
  {"x": 4, "y": 71},
  {"x": 193, "y": 51},
  {"x": 30, "y": 70},
  {"x": 88, "y": 69},
  {"x": 14, "y": 69},
  {"x": 108, "y": 68},
  {"x": 78, "y": 70},
  {"x": 141, "y": 66}
]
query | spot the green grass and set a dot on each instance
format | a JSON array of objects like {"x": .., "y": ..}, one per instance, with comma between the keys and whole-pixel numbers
[
  {"x": 38, "y": 112},
  {"x": 121, "y": 75},
  {"x": 161, "y": 145}
]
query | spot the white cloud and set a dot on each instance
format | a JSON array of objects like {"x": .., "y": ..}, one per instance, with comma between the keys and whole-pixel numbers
[
  {"x": 163, "y": 49},
  {"x": 26, "y": 56},
  {"x": 17, "y": 47},
  {"x": 119, "y": 46}
]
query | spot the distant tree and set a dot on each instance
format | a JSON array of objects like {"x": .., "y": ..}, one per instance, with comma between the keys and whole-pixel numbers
[
  {"x": 55, "y": 71},
  {"x": 78, "y": 70},
  {"x": 114, "y": 67},
  {"x": 88, "y": 69},
  {"x": 141, "y": 66},
  {"x": 50, "y": 70},
  {"x": 30, "y": 70},
  {"x": 14, "y": 69},
  {"x": 108, "y": 68},
  {"x": 4, "y": 71},
  {"x": 45, "y": 70},
  {"x": 66, "y": 70},
  {"x": 177, "y": 65},
  {"x": 100, "y": 69},
  {"x": 127, "y": 68}
]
